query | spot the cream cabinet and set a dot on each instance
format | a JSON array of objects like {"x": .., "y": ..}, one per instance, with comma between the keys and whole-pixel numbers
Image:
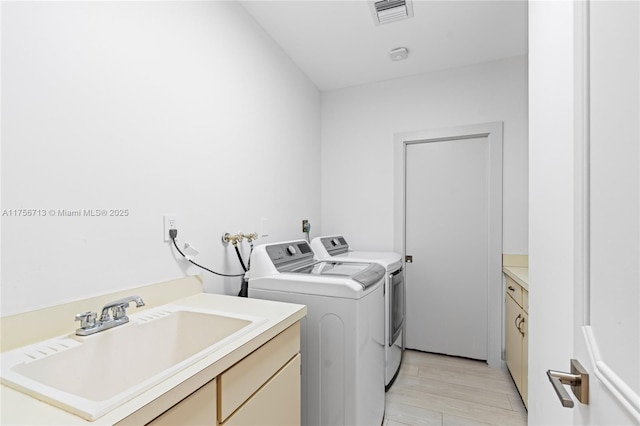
[
  {"x": 199, "y": 408},
  {"x": 276, "y": 403},
  {"x": 516, "y": 336},
  {"x": 263, "y": 388}
]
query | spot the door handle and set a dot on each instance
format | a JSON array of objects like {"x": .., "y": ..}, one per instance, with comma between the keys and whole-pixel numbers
[{"x": 578, "y": 379}]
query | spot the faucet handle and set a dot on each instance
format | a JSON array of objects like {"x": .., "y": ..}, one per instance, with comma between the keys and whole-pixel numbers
[
  {"x": 119, "y": 312},
  {"x": 118, "y": 309},
  {"x": 87, "y": 319}
]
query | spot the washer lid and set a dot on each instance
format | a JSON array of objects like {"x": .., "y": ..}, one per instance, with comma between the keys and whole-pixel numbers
[
  {"x": 388, "y": 259},
  {"x": 364, "y": 273}
]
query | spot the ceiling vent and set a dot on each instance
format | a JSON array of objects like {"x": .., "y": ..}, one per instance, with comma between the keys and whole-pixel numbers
[
  {"x": 386, "y": 11},
  {"x": 399, "y": 54}
]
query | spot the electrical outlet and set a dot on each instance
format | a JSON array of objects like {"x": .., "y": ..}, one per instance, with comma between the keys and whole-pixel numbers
[
  {"x": 305, "y": 225},
  {"x": 170, "y": 222}
]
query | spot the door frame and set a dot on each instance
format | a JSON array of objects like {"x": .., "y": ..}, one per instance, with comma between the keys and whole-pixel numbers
[{"x": 494, "y": 133}]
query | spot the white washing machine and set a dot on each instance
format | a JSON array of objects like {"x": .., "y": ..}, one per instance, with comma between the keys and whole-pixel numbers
[
  {"x": 336, "y": 247},
  {"x": 342, "y": 338}
]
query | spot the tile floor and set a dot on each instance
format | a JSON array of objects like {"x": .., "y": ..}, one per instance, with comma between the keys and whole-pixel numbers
[{"x": 442, "y": 390}]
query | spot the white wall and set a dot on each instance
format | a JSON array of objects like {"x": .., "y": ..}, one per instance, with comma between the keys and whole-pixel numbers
[
  {"x": 358, "y": 125},
  {"x": 153, "y": 107}
]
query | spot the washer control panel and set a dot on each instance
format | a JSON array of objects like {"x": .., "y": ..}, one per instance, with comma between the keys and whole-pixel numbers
[{"x": 286, "y": 255}]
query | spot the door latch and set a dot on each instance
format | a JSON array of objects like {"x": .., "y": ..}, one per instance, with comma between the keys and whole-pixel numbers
[
  {"x": 578, "y": 379},
  {"x": 408, "y": 259}
]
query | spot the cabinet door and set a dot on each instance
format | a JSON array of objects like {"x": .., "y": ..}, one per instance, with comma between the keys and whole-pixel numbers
[
  {"x": 277, "y": 403},
  {"x": 197, "y": 409},
  {"x": 525, "y": 359},
  {"x": 513, "y": 341}
]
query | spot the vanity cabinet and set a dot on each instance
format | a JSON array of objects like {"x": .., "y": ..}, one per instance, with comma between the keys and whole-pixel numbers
[
  {"x": 276, "y": 403},
  {"x": 263, "y": 388},
  {"x": 516, "y": 335},
  {"x": 199, "y": 408}
]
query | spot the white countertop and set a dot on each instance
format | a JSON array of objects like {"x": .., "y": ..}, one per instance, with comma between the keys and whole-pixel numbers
[
  {"x": 519, "y": 274},
  {"x": 21, "y": 409}
]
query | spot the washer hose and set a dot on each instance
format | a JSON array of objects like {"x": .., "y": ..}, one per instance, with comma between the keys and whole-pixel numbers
[
  {"x": 244, "y": 287},
  {"x": 244, "y": 268}
]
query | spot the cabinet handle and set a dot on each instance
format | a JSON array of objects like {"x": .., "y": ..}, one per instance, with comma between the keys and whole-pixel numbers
[
  {"x": 520, "y": 329},
  {"x": 516, "y": 321},
  {"x": 511, "y": 288}
]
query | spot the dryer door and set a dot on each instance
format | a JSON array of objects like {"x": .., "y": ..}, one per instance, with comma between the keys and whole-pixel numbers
[{"x": 396, "y": 314}]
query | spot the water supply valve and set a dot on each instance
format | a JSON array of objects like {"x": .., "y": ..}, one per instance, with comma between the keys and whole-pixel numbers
[
  {"x": 250, "y": 237},
  {"x": 237, "y": 238},
  {"x": 231, "y": 238}
]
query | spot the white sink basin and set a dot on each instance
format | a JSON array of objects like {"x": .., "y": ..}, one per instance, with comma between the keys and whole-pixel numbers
[{"x": 90, "y": 376}]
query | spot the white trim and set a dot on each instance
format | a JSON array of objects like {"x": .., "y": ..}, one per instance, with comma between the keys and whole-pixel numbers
[
  {"x": 612, "y": 382},
  {"x": 494, "y": 133}
]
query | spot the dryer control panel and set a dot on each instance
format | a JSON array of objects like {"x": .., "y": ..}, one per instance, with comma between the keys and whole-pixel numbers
[
  {"x": 291, "y": 255},
  {"x": 335, "y": 245}
]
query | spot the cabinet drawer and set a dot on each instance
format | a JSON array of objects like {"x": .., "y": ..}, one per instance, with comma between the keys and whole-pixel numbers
[
  {"x": 277, "y": 403},
  {"x": 514, "y": 290},
  {"x": 199, "y": 408},
  {"x": 242, "y": 380}
]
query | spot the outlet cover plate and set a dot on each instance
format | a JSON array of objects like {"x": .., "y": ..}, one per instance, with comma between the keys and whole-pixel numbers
[{"x": 170, "y": 222}]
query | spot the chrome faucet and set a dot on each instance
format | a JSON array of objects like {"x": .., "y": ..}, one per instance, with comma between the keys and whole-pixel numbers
[{"x": 113, "y": 315}]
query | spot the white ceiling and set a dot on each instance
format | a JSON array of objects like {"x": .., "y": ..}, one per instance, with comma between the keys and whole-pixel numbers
[{"x": 337, "y": 44}]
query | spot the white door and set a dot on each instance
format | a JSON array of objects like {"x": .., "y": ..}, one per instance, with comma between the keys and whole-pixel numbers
[
  {"x": 608, "y": 330},
  {"x": 453, "y": 233},
  {"x": 599, "y": 322}
]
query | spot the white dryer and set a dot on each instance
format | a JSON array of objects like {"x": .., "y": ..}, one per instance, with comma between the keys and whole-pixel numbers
[
  {"x": 342, "y": 338},
  {"x": 336, "y": 247}
]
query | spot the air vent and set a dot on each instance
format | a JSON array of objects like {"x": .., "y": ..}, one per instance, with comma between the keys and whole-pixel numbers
[
  {"x": 399, "y": 54},
  {"x": 386, "y": 11}
]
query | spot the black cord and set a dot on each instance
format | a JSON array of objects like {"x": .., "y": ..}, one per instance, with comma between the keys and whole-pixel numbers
[
  {"x": 244, "y": 268},
  {"x": 200, "y": 266}
]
